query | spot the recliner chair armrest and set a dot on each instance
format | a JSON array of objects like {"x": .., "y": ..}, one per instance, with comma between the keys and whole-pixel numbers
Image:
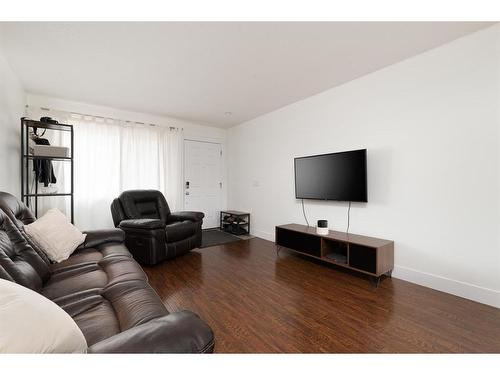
[
  {"x": 186, "y": 215},
  {"x": 179, "y": 332},
  {"x": 98, "y": 237},
  {"x": 142, "y": 224}
]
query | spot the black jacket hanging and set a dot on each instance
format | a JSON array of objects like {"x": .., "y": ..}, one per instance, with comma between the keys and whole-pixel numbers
[{"x": 44, "y": 172}]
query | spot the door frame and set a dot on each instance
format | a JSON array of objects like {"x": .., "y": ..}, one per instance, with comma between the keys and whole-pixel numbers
[{"x": 223, "y": 171}]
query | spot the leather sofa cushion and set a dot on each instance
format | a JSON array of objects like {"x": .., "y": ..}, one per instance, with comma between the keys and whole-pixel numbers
[
  {"x": 117, "y": 212},
  {"x": 20, "y": 215},
  {"x": 172, "y": 333},
  {"x": 16, "y": 210},
  {"x": 142, "y": 223},
  {"x": 146, "y": 204},
  {"x": 92, "y": 275},
  {"x": 97, "y": 320},
  {"x": 95, "y": 238},
  {"x": 115, "y": 309},
  {"x": 5, "y": 275},
  {"x": 180, "y": 230},
  {"x": 18, "y": 259},
  {"x": 90, "y": 255},
  {"x": 186, "y": 215},
  {"x": 104, "y": 290}
]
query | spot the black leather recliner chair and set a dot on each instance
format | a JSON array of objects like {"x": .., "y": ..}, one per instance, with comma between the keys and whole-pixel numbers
[{"x": 152, "y": 232}]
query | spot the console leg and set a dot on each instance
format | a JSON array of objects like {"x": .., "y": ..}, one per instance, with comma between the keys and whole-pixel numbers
[
  {"x": 278, "y": 248},
  {"x": 375, "y": 281},
  {"x": 389, "y": 274}
]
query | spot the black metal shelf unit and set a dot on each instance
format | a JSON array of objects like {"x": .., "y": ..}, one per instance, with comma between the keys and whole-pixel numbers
[
  {"x": 26, "y": 195},
  {"x": 235, "y": 222}
]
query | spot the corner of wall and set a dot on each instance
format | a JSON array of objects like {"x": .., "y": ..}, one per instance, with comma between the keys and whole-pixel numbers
[{"x": 12, "y": 108}]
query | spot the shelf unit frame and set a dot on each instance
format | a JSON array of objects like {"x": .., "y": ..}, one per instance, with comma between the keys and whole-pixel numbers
[
  {"x": 26, "y": 195},
  {"x": 239, "y": 226}
]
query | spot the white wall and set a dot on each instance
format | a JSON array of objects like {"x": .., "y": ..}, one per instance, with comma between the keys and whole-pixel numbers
[
  {"x": 192, "y": 130},
  {"x": 12, "y": 102},
  {"x": 431, "y": 127}
]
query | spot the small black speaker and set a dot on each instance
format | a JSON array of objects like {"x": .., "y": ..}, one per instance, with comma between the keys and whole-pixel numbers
[
  {"x": 322, "y": 227},
  {"x": 322, "y": 223}
]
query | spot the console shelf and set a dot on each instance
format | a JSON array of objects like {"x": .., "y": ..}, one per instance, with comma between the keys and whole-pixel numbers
[{"x": 369, "y": 255}]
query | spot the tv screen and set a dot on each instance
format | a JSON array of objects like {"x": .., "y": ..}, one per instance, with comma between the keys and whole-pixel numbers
[{"x": 339, "y": 176}]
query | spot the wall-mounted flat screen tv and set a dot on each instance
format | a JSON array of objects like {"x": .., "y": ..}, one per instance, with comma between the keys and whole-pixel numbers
[{"x": 339, "y": 176}]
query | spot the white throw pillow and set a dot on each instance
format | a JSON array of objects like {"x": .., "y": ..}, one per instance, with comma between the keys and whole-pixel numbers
[
  {"x": 55, "y": 235},
  {"x": 31, "y": 323}
]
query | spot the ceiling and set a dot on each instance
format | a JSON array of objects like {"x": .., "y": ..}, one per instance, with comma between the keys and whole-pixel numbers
[{"x": 219, "y": 74}]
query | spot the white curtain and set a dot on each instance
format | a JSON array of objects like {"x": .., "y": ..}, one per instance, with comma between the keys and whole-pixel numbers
[{"x": 111, "y": 156}]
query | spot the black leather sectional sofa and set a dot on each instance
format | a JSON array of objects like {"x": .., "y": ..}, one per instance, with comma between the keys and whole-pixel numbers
[{"x": 101, "y": 287}]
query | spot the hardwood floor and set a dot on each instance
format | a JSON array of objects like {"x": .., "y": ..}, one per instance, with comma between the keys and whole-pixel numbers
[{"x": 257, "y": 302}]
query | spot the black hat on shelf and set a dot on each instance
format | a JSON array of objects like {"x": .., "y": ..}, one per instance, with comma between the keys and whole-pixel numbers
[{"x": 48, "y": 120}]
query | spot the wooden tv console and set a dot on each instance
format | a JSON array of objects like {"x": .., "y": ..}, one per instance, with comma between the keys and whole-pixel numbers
[{"x": 369, "y": 255}]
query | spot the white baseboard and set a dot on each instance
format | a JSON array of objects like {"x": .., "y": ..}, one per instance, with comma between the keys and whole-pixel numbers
[
  {"x": 458, "y": 288},
  {"x": 263, "y": 235}
]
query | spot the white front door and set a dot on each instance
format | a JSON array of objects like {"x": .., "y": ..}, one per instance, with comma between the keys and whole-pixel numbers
[{"x": 203, "y": 180}]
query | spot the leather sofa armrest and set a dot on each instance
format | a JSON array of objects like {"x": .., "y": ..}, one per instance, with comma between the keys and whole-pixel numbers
[
  {"x": 142, "y": 224},
  {"x": 179, "y": 332},
  {"x": 186, "y": 215},
  {"x": 98, "y": 237}
]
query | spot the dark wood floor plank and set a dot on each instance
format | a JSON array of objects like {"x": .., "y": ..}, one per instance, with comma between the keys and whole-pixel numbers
[{"x": 258, "y": 302}]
